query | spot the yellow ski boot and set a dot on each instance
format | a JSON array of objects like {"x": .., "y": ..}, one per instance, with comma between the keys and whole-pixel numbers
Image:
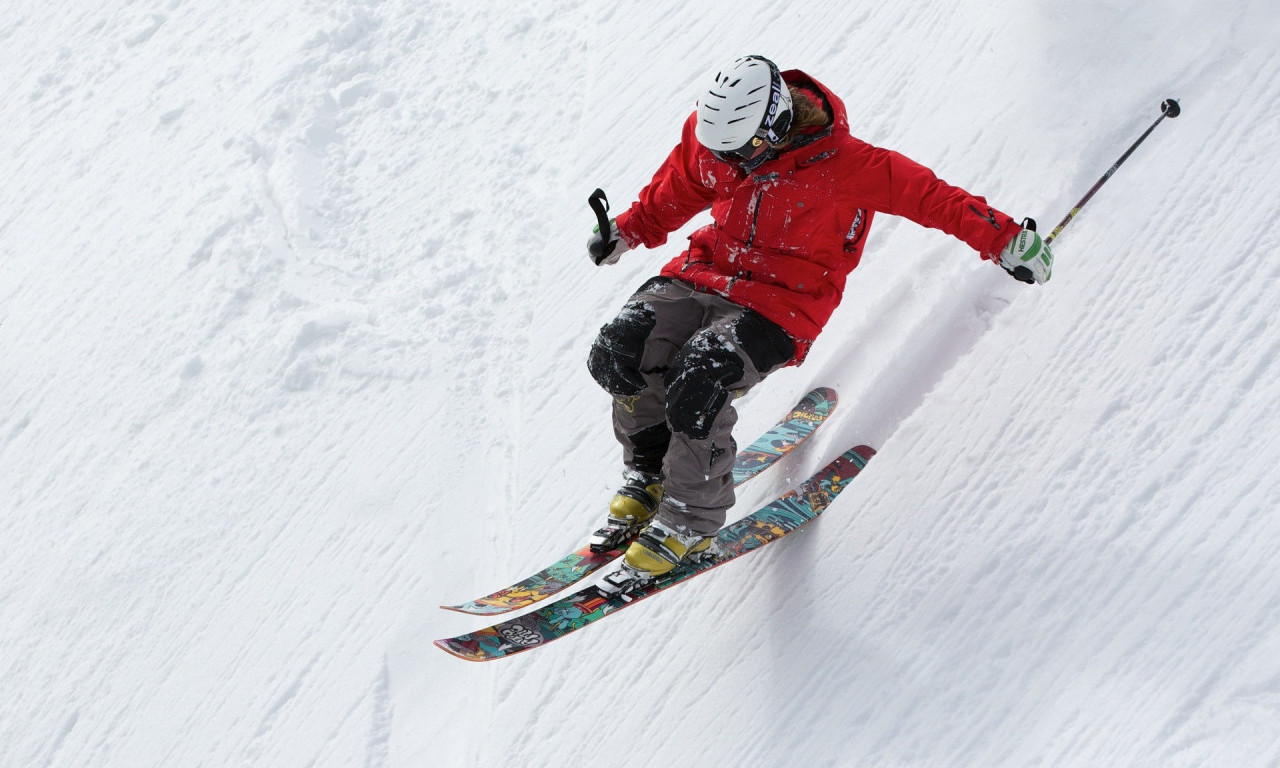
[
  {"x": 632, "y": 507},
  {"x": 659, "y": 550}
]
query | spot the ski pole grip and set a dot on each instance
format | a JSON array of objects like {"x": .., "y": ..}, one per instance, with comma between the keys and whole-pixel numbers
[{"x": 600, "y": 204}]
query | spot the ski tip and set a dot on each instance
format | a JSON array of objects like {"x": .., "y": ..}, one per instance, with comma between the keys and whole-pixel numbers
[
  {"x": 861, "y": 454},
  {"x": 444, "y": 646},
  {"x": 825, "y": 393},
  {"x": 457, "y": 654}
]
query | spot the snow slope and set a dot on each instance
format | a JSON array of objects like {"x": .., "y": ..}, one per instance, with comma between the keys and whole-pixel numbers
[{"x": 293, "y": 318}]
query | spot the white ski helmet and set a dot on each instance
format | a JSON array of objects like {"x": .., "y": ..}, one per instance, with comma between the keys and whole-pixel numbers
[{"x": 746, "y": 104}]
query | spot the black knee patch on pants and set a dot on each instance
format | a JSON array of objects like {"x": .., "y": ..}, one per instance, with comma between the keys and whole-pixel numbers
[
  {"x": 654, "y": 285},
  {"x": 764, "y": 341},
  {"x": 615, "y": 356},
  {"x": 698, "y": 385},
  {"x": 649, "y": 446}
]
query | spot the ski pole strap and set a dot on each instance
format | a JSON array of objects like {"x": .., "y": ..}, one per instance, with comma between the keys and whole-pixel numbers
[
  {"x": 1168, "y": 108},
  {"x": 600, "y": 204}
]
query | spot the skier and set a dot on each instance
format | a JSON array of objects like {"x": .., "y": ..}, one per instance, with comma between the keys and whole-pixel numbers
[{"x": 792, "y": 195}]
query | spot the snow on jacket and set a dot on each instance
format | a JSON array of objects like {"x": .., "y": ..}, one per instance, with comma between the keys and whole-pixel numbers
[{"x": 786, "y": 234}]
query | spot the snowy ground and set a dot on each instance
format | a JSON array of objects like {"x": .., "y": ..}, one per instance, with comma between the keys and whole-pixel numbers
[{"x": 293, "y": 318}]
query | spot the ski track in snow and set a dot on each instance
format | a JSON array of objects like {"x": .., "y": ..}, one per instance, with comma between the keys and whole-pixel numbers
[{"x": 295, "y": 312}]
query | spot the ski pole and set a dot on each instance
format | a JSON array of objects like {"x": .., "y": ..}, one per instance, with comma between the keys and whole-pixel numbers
[{"x": 1168, "y": 108}]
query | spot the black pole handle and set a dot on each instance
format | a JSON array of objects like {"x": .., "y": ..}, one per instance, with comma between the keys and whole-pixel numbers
[{"x": 600, "y": 204}]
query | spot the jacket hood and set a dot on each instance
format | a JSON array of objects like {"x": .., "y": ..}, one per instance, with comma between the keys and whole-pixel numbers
[{"x": 840, "y": 117}]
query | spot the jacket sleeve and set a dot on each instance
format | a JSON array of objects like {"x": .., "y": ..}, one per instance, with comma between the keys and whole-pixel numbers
[
  {"x": 911, "y": 190},
  {"x": 674, "y": 196}
]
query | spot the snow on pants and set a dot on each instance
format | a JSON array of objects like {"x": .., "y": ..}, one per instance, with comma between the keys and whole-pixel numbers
[{"x": 673, "y": 359}]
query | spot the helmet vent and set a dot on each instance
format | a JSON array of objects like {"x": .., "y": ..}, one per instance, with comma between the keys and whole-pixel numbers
[{"x": 746, "y": 101}]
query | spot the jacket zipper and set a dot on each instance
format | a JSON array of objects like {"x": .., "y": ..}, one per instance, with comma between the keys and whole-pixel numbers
[
  {"x": 751, "y": 235},
  {"x": 990, "y": 215},
  {"x": 755, "y": 215}
]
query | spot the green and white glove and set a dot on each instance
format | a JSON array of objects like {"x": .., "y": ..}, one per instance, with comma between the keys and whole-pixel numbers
[
  {"x": 1027, "y": 257},
  {"x": 597, "y": 247}
]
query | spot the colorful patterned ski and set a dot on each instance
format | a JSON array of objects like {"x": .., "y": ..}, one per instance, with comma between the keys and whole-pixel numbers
[
  {"x": 590, "y": 604},
  {"x": 791, "y": 431}
]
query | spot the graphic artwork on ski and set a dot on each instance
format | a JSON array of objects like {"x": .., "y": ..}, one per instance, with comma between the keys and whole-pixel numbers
[
  {"x": 792, "y": 430},
  {"x": 590, "y": 604}
]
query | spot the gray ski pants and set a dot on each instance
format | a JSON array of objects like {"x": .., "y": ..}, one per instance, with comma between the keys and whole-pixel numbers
[{"x": 673, "y": 359}]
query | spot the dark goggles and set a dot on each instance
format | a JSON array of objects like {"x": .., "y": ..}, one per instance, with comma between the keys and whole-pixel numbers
[{"x": 748, "y": 151}]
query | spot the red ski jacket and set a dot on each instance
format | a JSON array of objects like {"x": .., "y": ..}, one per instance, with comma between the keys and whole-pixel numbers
[{"x": 786, "y": 234}]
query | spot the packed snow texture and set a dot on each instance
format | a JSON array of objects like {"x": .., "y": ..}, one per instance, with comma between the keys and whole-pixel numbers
[{"x": 294, "y": 314}]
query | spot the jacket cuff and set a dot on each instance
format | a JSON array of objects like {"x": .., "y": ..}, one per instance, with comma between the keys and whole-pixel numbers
[
  {"x": 630, "y": 228},
  {"x": 1001, "y": 241}
]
